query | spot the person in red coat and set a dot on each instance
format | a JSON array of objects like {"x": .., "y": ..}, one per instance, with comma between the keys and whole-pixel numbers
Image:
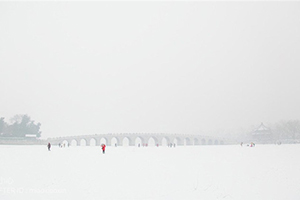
[{"x": 103, "y": 148}]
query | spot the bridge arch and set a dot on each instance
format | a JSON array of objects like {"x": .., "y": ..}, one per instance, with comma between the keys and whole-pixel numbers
[
  {"x": 93, "y": 142},
  {"x": 103, "y": 140},
  {"x": 165, "y": 141},
  {"x": 82, "y": 142},
  {"x": 210, "y": 142},
  {"x": 203, "y": 142},
  {"x": 187, "y": 141},
  {"x": 196, "y": 141},
  {"x": 74, "y": 142},
  {"x": 177, "y": 141},
  {"x": 152, "y": 141},
  {"x": 64, "y": 143},
  {"x": 115, "y": 141},
  {"x": 126, "y": 141},
  {"x": 139, "y": 141},
  {"x": 216, "y": 142}
]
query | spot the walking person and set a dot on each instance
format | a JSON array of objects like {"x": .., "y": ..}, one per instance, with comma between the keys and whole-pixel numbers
[
  {"x": 103, "y": 148},
  {"x": 49, "y": 146}
]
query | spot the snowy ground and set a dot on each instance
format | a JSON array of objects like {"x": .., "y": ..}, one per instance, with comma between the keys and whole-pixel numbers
[{"x": 202, "y": 172}]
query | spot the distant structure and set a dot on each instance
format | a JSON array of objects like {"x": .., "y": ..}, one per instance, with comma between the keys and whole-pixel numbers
[
  {"x": 262, "y": 134},
  {"x": 30, "y": 136},
  {"x": 27, "y": 140},
  {"x": 120, "y": 139},
  {"x": 137, "y": 139}
]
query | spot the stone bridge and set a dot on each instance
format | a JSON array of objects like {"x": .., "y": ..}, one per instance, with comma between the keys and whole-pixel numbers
[{"x": 137, "y": 139}]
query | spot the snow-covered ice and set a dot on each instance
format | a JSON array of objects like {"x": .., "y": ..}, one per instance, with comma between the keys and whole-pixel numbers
[{"x": 196, "y": 172}]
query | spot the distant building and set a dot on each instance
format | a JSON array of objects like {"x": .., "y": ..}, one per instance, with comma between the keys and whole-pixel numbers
[
  {"x": 30, "y": 136},
  {"x": 29, "y": 139},
  {"x": 262, "y": 134}
]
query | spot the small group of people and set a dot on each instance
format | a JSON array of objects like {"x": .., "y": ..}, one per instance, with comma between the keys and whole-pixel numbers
[
  {"x": 252, "y": 144},
  {"x": 103, "y": 146},
  {"x": 146, "y": 145},
  {"x": 171, "y": 145},
  {"x": 63, "y": 145}
]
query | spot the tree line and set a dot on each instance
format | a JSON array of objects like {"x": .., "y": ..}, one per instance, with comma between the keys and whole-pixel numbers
[
  {"x": 19, "y": 126},
  {"x": 286, "y": 129},
  {"x": 279, "y": 131}
]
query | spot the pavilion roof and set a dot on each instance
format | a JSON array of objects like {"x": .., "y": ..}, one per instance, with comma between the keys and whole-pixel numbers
[{"x": 262, "y": 129}]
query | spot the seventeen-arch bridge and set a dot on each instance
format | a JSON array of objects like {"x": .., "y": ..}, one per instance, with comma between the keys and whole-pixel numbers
[{"x": 135, "y": 139}]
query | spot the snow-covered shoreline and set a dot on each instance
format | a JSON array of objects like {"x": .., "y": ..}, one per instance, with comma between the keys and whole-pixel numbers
[{"x": 196, "y": 172}]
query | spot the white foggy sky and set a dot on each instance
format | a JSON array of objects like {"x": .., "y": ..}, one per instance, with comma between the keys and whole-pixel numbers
[{"x": 177, "y": 67}]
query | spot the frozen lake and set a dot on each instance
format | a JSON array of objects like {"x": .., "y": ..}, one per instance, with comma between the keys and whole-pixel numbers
[{"x": 200, "y": 172}]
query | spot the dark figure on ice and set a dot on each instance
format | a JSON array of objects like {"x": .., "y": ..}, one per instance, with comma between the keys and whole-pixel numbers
[
  {"x": 49, "y": 146},
  {"x": 103, "y": 148}
]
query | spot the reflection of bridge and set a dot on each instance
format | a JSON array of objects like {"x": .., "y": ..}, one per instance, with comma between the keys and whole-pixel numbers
[{"x": 134, "y": 139}]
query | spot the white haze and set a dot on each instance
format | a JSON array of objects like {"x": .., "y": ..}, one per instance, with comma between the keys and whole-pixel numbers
[{"x": 175, "y": 67}]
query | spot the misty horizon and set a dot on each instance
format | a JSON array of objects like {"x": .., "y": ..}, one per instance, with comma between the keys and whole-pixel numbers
[{"x": 159, "y": 67}]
